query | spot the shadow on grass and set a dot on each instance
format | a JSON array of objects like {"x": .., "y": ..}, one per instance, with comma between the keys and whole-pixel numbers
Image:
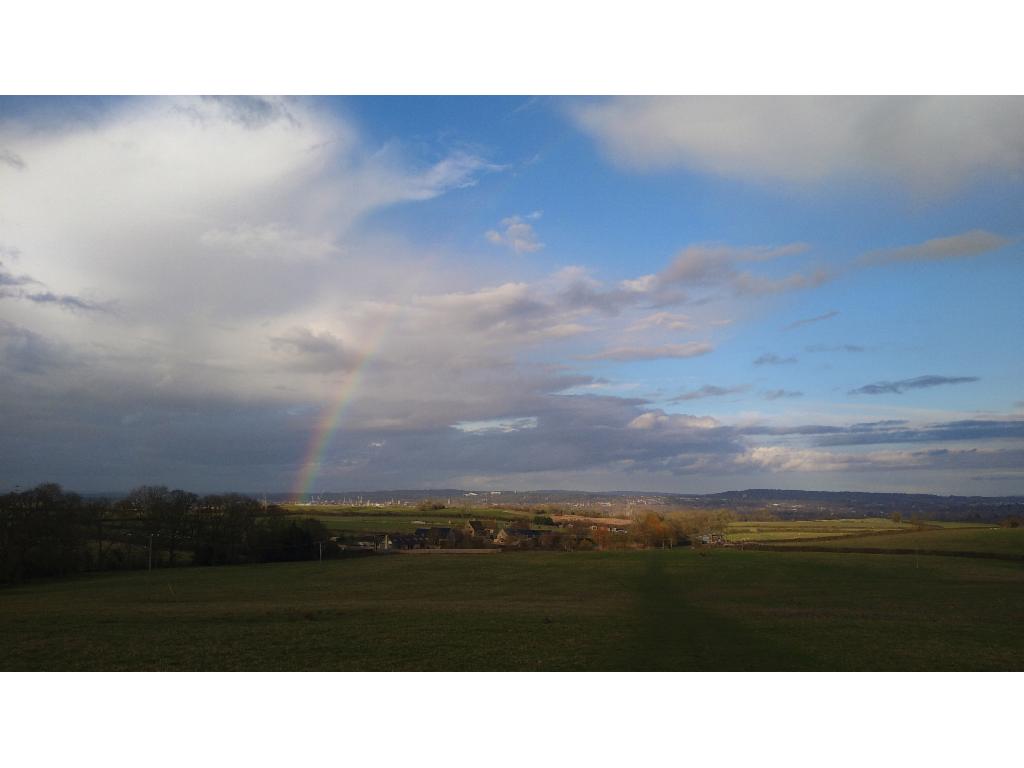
[{"x": 674, "y": 632}]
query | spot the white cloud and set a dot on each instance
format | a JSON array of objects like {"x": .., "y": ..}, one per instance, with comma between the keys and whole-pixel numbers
[
  {"x": 517, "y": 233},
  {"x": 672, "y": 421},
  {"x": 497, "y": 425},
  {"x": 929, "y": 144},
  {"x": 667, "y": 320}
]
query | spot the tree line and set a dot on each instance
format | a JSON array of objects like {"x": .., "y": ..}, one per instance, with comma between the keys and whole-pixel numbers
[{"x": 47, "y": 531}]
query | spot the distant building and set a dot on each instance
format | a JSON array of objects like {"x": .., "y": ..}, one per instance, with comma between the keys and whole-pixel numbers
[{"x": 514, "y": 536}]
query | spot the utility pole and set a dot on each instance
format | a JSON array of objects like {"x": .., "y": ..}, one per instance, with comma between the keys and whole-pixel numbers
[
  {"x": 151, "y": 551},
  {"x": 321, "y": 544}
]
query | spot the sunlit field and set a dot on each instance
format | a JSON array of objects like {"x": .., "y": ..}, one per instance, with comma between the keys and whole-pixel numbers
[
  {"x": 987, "y": 540},
  {"x": 810, "y": 529}
]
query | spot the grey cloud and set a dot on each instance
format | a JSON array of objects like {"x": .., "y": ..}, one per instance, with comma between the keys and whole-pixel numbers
[
  {"x": 708, "y": 390},
  {"x": 11, "y": 160},
  {"x": 24, "y": 351},
  {"x": 973, "y": 243},
  {"x": 779, "y": 394},
  {"x": 8, "y": 279},
  {"x": 252, "y": 111},
  {"x": 834, "y": 348},
  {"x": 772, "y": 359},
  {"x": 689, "y": 349},
  {"x": 311, "y": 351},
  {"x": 919, "y": 382},
  {"x": 929, "y": 144},
  {"x": 808, "y": 320},
  {"x": 64, "y": 301},
  {"x": 898, "y": 432}
]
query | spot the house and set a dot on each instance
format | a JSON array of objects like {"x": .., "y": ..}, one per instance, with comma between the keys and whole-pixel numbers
[
  {"x": 709, "y": 538},
  {"x": 514, "y": 536},
  {"x": 475, "y": 528},
  {"x": 404, "y": 541},
  {"x": 434, "y": 536}
]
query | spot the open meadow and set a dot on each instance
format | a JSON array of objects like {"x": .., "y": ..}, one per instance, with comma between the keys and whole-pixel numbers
[
  {"x": 679, "y": 609},
  {"x": 989, "y": 540}
]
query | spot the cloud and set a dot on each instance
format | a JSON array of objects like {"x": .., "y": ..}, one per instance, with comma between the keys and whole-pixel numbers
[
  {"x": 779, "y": 394},
  {"x": 928, "y": 144},
  {"x": 708, "y": 390},
  {"x": 250, "y": 272},
  {"x": 8, "y": 279},
  {"x": 808, "y": 320},
  {"x": 503, "y": 426},
  {"x": 919, "y": 382},
  {"x": 10, "y": 287},
  {"x": 310, "y": 350},
  {"x": 802, "y": 460},
  {"x": 771, "y": 359},
  {"x": 11, "y": 160},
  {"x": 689, "y": 349},
  {"x": 23, "y": 351},
  {"x": 973, "y": 243},
  {"x": 667, "y": 320},
  {"x": 72, "y": 303},
  {"x": 903, "y": 432},
  {"x": 517, "y": 233},
  {"x": 660, "y": 420},
  {"x": 834, "y": 348}
]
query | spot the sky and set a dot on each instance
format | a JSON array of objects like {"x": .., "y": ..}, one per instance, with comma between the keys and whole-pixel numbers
[{"x": 665, "y": 294}]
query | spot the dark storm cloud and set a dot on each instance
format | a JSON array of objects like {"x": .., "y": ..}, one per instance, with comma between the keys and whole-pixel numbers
[
  {"x": 24, "y": 351},
  {"x": 808, "y": 320},
  {"x": 772, "y": 359},
  {"x": 919, "y": 382}
]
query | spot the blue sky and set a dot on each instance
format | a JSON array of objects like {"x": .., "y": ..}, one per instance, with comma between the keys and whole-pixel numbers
[{"x": 664, "y": 294}]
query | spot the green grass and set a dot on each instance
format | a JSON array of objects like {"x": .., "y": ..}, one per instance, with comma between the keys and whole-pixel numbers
[
  {"x": 1002, "y": 541},
  {"x": 658, "y": 609},
  {"x": 810, "y": 529}
]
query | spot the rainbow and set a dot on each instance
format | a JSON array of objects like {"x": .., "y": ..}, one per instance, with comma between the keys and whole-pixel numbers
[{"x": 329, "y": 422}]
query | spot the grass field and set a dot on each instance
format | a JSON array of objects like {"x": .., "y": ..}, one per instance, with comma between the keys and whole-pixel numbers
[
  {"x": 655, "y": 609},
  {"x": 810, "y": 529},
  {"x": 988, "y": 540}
]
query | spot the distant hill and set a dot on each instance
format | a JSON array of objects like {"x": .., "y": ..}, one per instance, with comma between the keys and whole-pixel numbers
[{"x": 781, "y": 503}]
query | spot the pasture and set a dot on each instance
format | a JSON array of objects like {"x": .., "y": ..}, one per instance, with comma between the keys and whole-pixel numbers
[
  {"x": 981, "y": 539},
  {"x": 783, "y": 530},
  {"x": 680, "y": 609}
]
